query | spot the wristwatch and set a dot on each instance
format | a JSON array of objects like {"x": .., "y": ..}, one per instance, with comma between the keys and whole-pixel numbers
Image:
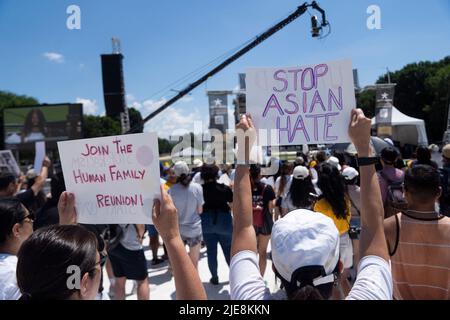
[{"x": 366, "y": 161}]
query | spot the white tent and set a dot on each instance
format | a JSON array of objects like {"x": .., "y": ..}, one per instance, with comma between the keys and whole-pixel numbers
[{"x": 406, "y": 129}]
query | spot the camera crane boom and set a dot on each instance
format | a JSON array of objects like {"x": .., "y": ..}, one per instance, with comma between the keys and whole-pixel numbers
[{"x": 258, "y": 40}]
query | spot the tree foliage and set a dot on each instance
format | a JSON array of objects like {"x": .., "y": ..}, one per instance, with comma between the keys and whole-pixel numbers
[
  {"x": 9, "y": 99},
  {"x": 423, "y": 91}
]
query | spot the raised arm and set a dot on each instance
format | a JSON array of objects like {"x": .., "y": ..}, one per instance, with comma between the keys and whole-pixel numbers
[
  {"x": 187, "y": 281},
  {"x": 244, "y": 237},
  {"x": 372, "y": 241},
  {"x": 39, "y": 182}
]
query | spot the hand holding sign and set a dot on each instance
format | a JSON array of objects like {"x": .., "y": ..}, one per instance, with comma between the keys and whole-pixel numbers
[
  {"x": 165, "y": 217},
  {"x": 359, "y": 131},
  {"x": 66, "y": 209}
]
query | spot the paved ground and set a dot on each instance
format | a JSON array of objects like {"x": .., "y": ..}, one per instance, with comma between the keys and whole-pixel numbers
[{"x": 162, "y": 285}]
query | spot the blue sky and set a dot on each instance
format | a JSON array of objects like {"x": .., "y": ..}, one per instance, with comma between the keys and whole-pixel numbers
[{"x": 164, "y": 40}]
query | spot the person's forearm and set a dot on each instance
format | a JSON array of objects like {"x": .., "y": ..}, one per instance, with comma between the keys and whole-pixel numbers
[
  {"x": 187, "y": 281},
  {"x": 40, "y": 180},
  {"x": 242, "y": 201},
  {"x": 372, "y": 241}
]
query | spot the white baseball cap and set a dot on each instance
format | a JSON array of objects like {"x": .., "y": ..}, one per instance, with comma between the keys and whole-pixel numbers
[
  {"x": 350, "y": 173},
  {"x": 300, "y": 172},
  {"x": 305, "y": 238},
  {"x": 335, "y": 162},
  {"x": 197, "y": 163},
  {"x": 180, "y": 168}
]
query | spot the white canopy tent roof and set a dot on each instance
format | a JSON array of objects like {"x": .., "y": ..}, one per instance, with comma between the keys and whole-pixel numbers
[{"x": 406, "y": 129}]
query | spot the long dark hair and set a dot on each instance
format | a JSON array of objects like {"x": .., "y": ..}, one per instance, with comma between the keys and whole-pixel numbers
[
  {"x": 307, "y": 291},
  {"x": 184, "y": 179},
  {"x": 11, "y": 212},
  {"x": 333, "y": 189},
  {"x": 28, "y": 125},
  {"x": 299, "y": 192},
  {"x": 423, "y": 155},
  {"x": 44, "y": 260},
  {"x": 285, "y": 170}
]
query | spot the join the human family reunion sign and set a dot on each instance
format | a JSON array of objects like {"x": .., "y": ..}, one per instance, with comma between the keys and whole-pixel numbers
[{"x": 114, "y": 179}]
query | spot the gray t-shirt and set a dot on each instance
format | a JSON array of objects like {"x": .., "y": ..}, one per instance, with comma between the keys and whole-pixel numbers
[
  {"x": 130, "y": 239},
  {"x": 187, "y": 200}
]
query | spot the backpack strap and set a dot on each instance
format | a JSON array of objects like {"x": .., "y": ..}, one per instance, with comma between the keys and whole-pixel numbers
[
  {"x": 397, "y": 236},
  {"x": 354, "y": 206}
]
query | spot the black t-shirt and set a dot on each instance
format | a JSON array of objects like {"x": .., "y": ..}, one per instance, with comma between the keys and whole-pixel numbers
[
  {"x": 262, "y": 194},
  {"x": 216, "y": 196},
  {"x": 27, "y": 198},
  {"x": 46, "y": 216}
]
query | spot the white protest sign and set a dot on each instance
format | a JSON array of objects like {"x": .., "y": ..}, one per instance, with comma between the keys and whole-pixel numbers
[
  {"x": 8, "y": 163},
  {"x": 115, "y": 179},
  {"x": 39, "y": 156},
  {"x": 301, "y": 105}
]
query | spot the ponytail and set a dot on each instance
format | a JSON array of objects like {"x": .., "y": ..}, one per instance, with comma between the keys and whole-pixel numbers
[{"x": 185, "y": 179}]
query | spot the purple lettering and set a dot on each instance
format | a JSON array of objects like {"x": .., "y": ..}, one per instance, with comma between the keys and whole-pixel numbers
[
  {"x": 331, "y": 97},
  {"x": 316, "y": 99},
  {"x": 318, "y": 73},
  {"x": 285, "y": 82},
  {"x": 296, "y": 107},
  {"x": 273, "y": 103},
  {"x": 312, "y": 80}
]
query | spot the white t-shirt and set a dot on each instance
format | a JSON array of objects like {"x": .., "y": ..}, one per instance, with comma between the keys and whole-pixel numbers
[
  {"x": 197, "y": 178},
  {"x": 8, "y": 281},
  {"x": 286, "y": 203},
  {"x": 224, "y": 179},
  {"x": 187, "y": 200},
  {"x": 286, "y": 187},
  {"x": 374, "y": 280},
  {"x": 268, "y": 181}
]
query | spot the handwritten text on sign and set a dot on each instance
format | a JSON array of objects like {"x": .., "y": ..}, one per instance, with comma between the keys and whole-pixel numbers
[
  {"x": 115, "y": 179},
  {"x": 305, "y": 105}
]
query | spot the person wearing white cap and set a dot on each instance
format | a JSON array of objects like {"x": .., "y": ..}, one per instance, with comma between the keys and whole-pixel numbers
[
  {"x": 196, "y": 171},
  {"x": 334, "y": 162},
  {"x": 305, "y": 244},
  {"x": 301, "y": 193},
  {"x": 188, "y": 199}
]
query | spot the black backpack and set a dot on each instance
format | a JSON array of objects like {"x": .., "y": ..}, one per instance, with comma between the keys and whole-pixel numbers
[{"x": 395, "y": 201}]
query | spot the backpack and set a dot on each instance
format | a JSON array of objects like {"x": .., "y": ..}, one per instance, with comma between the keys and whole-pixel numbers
[
  {"x": 395, "y": 201},
  {"x": 258, "y": 212}
]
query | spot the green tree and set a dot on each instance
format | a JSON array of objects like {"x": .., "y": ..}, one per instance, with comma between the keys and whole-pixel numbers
[
  {"x": 9, "y": 99},
  {"x": 422, "y": 92},
  {"x": 164, "y": 145},
  {"x": 135, "y": 120},
  {"x": 366, "y": 100},
  {"x": 100, "y": 126}
]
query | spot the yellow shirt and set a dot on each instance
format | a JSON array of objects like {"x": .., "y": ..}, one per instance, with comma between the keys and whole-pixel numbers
[
  {"x": 167, "y": 185},
  {"x": 324, "y": 207}
]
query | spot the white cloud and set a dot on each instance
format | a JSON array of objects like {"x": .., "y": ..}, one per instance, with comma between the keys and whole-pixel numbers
[
  {"x": 172, "y": 119},
  {"x": 54, "y": 57},
  {"x": 187, "y": 98},
  {"x": 90, "y": 107}
]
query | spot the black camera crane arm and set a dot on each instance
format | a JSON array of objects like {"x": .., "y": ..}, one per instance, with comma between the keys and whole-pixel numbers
[{"x": 259, "y": 39}]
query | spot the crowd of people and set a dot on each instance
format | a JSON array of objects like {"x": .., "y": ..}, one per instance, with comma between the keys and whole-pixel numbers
[{"x": 335, "y": 228}]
